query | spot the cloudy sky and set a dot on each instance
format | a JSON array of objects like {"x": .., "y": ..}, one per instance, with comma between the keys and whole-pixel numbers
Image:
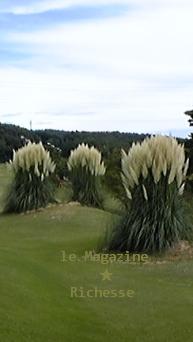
[{"x": 97, "y": 64}]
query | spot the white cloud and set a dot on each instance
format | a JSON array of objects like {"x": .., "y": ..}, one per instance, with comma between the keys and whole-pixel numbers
[
  {"x": 131, "y": 73},
  {"x": 41, "y": 6},
  {"x": 48, "y": 5}
]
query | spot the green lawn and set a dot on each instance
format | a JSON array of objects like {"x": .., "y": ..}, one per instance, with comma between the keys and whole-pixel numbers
[{"x": 35, "y": 301}]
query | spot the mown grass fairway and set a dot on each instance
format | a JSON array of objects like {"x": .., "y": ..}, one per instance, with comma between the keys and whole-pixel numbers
[{"x": 35, "y": 302}]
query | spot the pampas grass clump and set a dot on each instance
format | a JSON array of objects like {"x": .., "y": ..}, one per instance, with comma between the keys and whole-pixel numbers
[
  {"x": 31, "y": 187},
  {"x": 153, "y": 175},
  {"x": 86, "y": 168}
]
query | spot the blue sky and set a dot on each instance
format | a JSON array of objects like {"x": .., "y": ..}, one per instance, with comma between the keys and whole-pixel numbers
[
  {"x": 97, "y": 65},
  {"x": 34, "y": 21}
]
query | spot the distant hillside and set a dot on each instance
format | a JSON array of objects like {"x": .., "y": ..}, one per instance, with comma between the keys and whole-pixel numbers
[{"x": 13, "y": 137}]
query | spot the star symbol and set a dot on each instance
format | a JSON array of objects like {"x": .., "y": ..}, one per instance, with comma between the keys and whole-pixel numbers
[{"x": 106, "y": 275}]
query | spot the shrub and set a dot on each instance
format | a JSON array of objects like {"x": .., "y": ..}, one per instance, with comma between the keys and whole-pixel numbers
[
  {"x": 31, "y": 187},
  {"x": 153, "y": 175},
  {"x": 86, "y": 168},
  {"x": 112, "y": 177}
]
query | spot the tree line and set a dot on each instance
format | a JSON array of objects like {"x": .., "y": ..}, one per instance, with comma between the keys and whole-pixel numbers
[{"x": 14, "y": 137}]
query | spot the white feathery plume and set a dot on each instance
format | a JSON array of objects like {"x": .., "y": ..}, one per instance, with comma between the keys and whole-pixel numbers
[
  {"x": 90, "y": 158},
  {"x": 32, "y": 158},
  {"x": 159, "y": 156}
]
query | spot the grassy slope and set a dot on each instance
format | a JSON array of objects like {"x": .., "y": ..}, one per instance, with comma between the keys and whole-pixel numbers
[{"x": 35, "y": 303}]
